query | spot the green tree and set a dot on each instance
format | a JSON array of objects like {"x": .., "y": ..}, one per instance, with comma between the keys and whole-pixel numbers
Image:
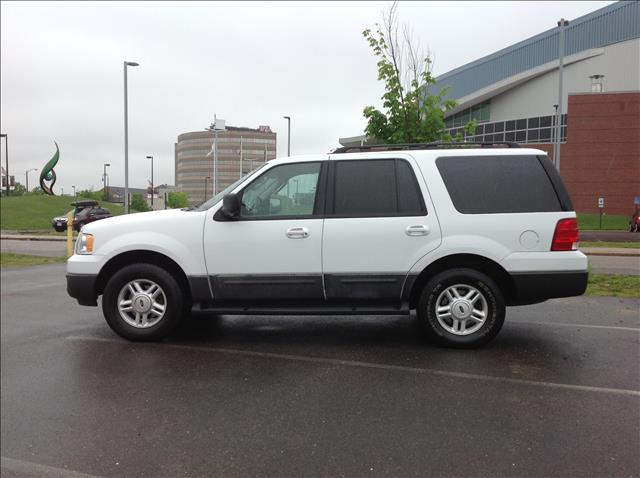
[
  {"x": 37, "y": 191},
  {"x": 89, "y": 194},
  {"x": 177, "y": 199},
  {"x": 138, "y": 203},
  {"x": 411, "y": 113}
]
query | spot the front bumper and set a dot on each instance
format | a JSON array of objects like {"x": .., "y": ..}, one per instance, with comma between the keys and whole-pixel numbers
[{"x": 82, "y": 287}]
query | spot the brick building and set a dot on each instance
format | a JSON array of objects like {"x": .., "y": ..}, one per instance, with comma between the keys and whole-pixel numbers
[{"x": 512, "y": 95}]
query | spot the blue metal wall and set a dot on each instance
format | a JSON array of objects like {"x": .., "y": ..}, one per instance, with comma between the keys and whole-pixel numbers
[{"x": 614, "y": 23}]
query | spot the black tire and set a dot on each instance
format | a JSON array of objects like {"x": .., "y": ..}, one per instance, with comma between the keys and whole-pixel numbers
[
  {"x": 174, "y": 306},
  {"x": 79, "y": 226},
  {"x": 60, "y": 229},
  {"x": 493, "y": 298}
]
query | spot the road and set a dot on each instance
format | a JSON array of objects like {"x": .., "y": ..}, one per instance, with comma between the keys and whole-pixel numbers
[{"x": 556, "y": 394}]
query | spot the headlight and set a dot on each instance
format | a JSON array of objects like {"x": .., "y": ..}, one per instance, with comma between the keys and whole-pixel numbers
[{"x": 84, "y": 243}]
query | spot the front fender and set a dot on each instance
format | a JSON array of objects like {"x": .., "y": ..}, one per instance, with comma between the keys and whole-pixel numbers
[{"x": 188, "y": 255}]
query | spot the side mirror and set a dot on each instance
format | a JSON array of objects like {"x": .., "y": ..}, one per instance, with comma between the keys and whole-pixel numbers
[{"x": 231, "y": 206}]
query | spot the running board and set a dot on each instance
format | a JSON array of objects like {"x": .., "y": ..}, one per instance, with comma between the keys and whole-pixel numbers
[{"x": 297, "y": 310}]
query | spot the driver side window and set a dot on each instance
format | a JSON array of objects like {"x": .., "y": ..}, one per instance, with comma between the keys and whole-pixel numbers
[{"x": 287, "y": 190}]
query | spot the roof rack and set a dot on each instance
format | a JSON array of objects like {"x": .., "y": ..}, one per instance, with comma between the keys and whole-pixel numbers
[{"x": 410, "y": 146}]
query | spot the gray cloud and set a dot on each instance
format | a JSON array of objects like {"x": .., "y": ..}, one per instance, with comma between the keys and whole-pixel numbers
[{"x": 251, "y": 63}]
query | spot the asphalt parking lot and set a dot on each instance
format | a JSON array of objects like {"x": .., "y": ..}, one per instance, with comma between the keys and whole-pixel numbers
[{"x": 556, "y": 394}]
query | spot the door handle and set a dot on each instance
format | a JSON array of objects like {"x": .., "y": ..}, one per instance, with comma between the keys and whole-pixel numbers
[
  {"x": 417, "y": 230},
  {"x": 297, "y": 233}
]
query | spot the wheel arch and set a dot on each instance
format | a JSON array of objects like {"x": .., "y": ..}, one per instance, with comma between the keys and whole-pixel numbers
[
  {"x": 469, "y": 261},
  {"x": 145, "y": 257}
]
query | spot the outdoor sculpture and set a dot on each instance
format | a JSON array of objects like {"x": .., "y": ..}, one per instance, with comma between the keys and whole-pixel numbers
[{"x": 48, "y": 174}]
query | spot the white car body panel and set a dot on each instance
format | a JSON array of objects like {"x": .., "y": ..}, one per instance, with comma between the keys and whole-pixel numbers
[{"x": 204, "y": 247}]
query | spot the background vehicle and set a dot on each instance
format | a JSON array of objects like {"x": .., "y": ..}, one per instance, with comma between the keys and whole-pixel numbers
[
  {"x": 84, "y": 212},
  {"x": 455, "y": 231}
]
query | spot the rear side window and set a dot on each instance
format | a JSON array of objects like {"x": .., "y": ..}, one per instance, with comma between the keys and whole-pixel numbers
[
  {"x": 498, "y": 184},
  {"x": 381, "y": 187}
]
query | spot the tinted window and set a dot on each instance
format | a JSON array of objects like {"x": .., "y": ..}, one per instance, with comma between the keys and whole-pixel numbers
[
  {"x": 385, "y": 187},
  {"x": 409, "y": 196},
  {"x": 498, "y": 184},
  {"x": 365, "y": 188},
  {"x": 287, "y": 190}
]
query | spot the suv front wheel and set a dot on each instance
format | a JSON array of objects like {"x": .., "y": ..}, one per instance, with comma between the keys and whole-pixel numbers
[
  {"x": 142, "y": 302},
  {"x": 461, "y": 308}
]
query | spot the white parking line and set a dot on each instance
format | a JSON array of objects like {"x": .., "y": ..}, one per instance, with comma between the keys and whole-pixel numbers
[
  {"x": 27, "y": 468},
  {"x": 581, "y": 326},
  {"x": 371, "y": 365}
]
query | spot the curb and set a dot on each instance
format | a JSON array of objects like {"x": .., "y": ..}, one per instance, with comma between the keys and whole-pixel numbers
[
  {"x": 615, "y": 254},
  {"x": 33, "y": 238}
]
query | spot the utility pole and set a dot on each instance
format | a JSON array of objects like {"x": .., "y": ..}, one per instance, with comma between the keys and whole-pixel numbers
[
  {"x": 241, "y": 152},
  {"x": 151, "y": 158},
  {"x": 214, "y": 150},
  {"x": 104, "y": 181},
  {"x": 562, "y": 24},
  {"x": 126, "y": 139},
  {"x": 26, "y": 173},
  {"x": 288, "y": 118}
]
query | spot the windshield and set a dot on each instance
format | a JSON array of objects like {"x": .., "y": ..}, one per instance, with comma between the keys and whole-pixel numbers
[{"x": 218, "y": 197}]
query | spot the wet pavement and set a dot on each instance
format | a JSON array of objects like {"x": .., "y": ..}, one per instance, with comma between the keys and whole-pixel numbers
[{"x": 556, "y": 394}]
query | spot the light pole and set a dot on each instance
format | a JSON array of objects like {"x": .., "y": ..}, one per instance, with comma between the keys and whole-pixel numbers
[
  {"x": 288, "y": 118},
  {"x": 126, "y": 138},
  {"x": 74, "y": 191},
  {"x": 562, "y": 23},
  {"x": 151, "y": 158},
  {"x": 26, "y": 174},
  {"x": 104, "y": 181},
  {"x": 214, "y": 149},
  {"x": 6, "y": 157}
]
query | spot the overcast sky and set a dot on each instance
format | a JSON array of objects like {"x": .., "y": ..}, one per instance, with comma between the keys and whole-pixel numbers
[{"x": 251, "y": 63}]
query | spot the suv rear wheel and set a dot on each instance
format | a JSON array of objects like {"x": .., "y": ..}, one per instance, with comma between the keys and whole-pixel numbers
[
  {"x": 461, "y": 308},
  {"x": 142, "y": 302}
]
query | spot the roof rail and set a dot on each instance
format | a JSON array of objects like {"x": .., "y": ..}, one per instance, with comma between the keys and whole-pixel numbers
[{"x": 410, "y": 146}]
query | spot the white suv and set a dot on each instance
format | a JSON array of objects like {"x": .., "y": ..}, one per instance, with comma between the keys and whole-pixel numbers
[{"x": 455, "y": 232}]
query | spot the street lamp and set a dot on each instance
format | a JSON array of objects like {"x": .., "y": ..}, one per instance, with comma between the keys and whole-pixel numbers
[
  {"x": 218, "y": 125},
  {"x": 126, "y": 138},
  {"x": 26, "y": 174},
  {"x": 562, "y": 24},
  {"x": 288, "y": 118},
  {"x": 6, "y": 157},
  {"x": 151, "y": 158},
  {"x": 74, "y": 191},
  {"x": 104, "y": 181}
]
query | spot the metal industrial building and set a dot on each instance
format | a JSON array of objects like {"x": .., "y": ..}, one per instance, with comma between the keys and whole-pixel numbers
[
  {"x": 239, "y": 150},
  {"x": 513, "y": 93}
]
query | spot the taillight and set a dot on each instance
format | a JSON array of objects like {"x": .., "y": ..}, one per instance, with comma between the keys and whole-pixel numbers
[{"x": 565, "y": 237}]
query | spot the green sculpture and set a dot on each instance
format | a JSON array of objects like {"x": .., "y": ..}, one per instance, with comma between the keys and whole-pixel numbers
[{"x": 48, "y": 174}]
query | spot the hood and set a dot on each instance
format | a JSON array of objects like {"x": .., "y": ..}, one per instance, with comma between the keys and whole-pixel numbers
[{"x": 140, "y": 221}]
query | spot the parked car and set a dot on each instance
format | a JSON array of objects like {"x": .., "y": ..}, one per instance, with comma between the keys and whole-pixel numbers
[
  {"x": 455, "y": 232},
  {"x": 84, "y": 212}
]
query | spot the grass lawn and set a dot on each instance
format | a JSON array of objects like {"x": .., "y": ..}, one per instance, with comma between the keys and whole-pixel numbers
[
  {"x": 31, "y": 213},
  {"x": 587, "y": 222},
  {"x": 613, "y": 285},
  {"x": 8, "y": 259},
  {"x": 623, "y": 245}
]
